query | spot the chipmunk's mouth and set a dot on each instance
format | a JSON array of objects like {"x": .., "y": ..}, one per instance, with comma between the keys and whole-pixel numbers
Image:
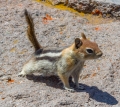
[{"x": 99, "y": 54}]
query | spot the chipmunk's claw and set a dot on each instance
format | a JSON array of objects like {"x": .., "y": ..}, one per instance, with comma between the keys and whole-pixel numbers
[{"x": 69, "y": 89}]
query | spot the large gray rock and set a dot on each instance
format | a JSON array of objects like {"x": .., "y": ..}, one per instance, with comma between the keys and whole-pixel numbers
[
  {"x": 106, "y": 8},
  {"x": 110, "y": 1}
]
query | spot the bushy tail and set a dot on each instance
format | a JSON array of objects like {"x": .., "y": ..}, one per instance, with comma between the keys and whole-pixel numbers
[{"x": 31, "y": 32}]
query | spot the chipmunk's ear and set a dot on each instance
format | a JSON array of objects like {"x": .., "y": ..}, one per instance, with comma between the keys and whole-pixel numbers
[
  {"x": 78, "y": 43},
  {"x": 83, "y": 36}
]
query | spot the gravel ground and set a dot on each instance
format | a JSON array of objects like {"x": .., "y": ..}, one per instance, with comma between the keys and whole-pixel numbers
[{"x": 100, "y": 77}]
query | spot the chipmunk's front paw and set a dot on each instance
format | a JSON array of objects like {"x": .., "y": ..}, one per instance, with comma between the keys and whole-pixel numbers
[{"x": 69, "y": 89}]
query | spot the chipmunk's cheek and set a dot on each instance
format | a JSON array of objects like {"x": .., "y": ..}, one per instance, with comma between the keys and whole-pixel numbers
[{"x": 82, "y": 55}]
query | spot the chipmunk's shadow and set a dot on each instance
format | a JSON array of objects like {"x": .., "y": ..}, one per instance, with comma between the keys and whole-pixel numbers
[
  {"x": 93, "y": 91},
  {"x": 99, "y": 95},
  {"x": 52, "y": 81}
]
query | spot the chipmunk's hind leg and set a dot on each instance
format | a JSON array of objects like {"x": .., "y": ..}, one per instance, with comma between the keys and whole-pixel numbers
[
  {"x": 22, "y": 74},
  {"x": 75, "y": 76},
  {"x": 27, "y": 70}
]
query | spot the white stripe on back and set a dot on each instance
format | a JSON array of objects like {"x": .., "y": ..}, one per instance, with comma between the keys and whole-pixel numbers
[{"x": 50, "y": 54}]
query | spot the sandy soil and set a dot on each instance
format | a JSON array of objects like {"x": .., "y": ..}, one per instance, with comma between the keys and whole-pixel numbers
[{"x": 100, "y": 77}]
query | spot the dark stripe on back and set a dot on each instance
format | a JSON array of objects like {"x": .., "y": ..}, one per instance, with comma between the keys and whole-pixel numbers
[
  {"x": 44, "y": 51},
  {"x": 39, "y": 51},
  {"x": 51, "y": 59}
]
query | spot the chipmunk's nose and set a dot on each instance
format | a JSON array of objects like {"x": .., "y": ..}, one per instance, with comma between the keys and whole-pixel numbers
[{"x": 99, "y": 54}]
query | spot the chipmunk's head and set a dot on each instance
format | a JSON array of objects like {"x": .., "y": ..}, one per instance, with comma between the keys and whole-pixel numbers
[{"x": 86, "y": 49}]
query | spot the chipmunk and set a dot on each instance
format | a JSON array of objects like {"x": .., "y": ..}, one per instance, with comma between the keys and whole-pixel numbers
[{"x": 64, "y": 62}]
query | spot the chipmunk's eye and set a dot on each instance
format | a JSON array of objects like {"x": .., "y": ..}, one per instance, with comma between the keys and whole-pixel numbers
[{"x": 90, "y": 51}]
